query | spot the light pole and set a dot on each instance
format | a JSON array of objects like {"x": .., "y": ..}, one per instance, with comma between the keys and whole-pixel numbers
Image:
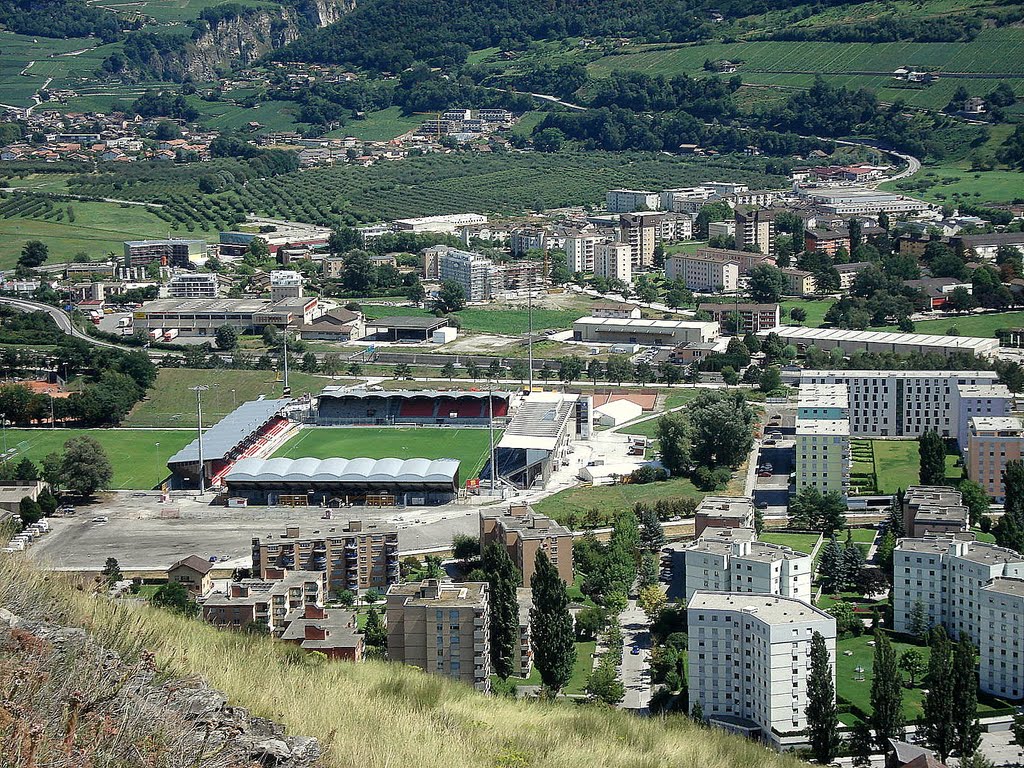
[
  {"x": 234, "y": 400},
  {"x": 529, "y": 338},
  {"x": 490, "y": 430},
  {"x": 53, "y": 421},
  {"x": 287, "y": 390},
  {"x": 199, "y": 389}
]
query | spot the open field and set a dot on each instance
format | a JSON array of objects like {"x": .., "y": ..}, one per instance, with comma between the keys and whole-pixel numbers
[
  {"x": 858, "y": 692},
  {"x": 139, "y": 457},
  {"x": 815, "y": 310},
  {"x": 98, "y": 229},
  {"x": 382, "y": 125},
  {"x": 972, "y": 325},
  {"x": 499, "y": 320},
  {"x": 469, "y": 446},
  {"x": 170, "y": 404},
  {"x": 941, "y": 184},
  {"x": 798, "y": 542}
]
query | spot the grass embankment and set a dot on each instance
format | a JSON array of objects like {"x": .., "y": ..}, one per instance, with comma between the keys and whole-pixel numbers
[
  {"x": 387, "y": 714},
  {"x": 469, "y": 446},
  {"x": 139, "y": 457}
]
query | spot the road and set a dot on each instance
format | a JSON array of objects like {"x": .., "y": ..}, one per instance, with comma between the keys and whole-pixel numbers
[
  {"x": 635, "y": 674},
  {"x": 60, "y": 317}
]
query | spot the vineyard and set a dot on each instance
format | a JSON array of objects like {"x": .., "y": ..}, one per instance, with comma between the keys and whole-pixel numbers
[{"x": 415, "y": 187}]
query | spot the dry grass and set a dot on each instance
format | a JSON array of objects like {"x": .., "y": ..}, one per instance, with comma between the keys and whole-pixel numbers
[{"x": 384, "y": 715}]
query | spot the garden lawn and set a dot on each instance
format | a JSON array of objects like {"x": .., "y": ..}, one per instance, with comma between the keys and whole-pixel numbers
[
  {"x": 170, "y": 403},
  {"x": 798, "y": 542},
  {"x": 972, "y": 325},
  {"x": 815, "y": 309},
  {"x": 139, "y": 457},
  {"x": 469, "y": 446},
  {"x": 897, "y": 464},
  {"x": 580, "y": 672},
  {"x": 858, "y": 692}
]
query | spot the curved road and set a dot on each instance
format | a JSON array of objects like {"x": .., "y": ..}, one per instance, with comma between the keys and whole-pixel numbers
[{"x": 60, "y": 317}]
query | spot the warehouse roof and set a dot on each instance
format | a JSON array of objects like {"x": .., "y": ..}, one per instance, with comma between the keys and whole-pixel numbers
[
  {"x": 220, "y": 439},
  {"x": 636, "y": 323},
  {"x": 336, "y": 470},
  {"x": 967, "y": 343},
  {"x": 410, "y": 322}
]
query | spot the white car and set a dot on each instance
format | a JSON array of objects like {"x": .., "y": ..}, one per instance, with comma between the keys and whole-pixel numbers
[{"x": 100, "y": 519}]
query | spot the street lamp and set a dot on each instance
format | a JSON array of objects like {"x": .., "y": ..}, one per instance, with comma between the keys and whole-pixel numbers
[
  {"x": 490, "y": 429},
  {"x": 287, "y": 390},
  {"x": 529, "y": 338},
  {"x": 199, "y": 389}
]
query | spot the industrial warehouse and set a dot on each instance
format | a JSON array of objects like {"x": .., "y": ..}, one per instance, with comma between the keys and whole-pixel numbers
[{"x": 337, "y": 482}]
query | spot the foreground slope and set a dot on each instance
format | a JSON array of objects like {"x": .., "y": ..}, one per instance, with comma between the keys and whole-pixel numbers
[{"x": 380, "y": 714}]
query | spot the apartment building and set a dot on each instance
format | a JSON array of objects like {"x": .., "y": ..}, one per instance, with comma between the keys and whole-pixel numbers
[
  {"x": 166, "y": 253},
  {"x": 272, "y": 601},
  {"x": 904, "y": 403},
  {"x": 799, "y": 282},
  {"x": 334, "y": 633},
  {"x": 442, "y": 628},
  {"x": 614, "y": 260},
  {"x": 991, "y": 442},
  {"x": 527, "y": 239},
  {"x": 522, "y": 663},
  {"x": 704, "y": 275},
  {"x": 751, "y": 318},
  {"x": 629, "y": 200},
  {"x": 823, "y": 401},
  {"x": 848, "y": 273},
  {"x": 823, "y": 458},
  {"x": 192, "y": 571},
  {"x": 194, "y": 285},
  {"x": 642, "y": 231},
  {"x": 285, "y": 284},
  {"x": 524, "y": 532},
  {"x": 354, "y": 557},
  {"x": 479, "y": 277},
  {"x": 746, "y": 260},
  {"x": 749, "y": 658},
  {"x": 733, "y": 560},
  {"x": 755, "y": 227},
  {"x": 579, "y": 250},
  {"x": 1002, "y": 627},
  {"x": 687, "y": 200},
  {"x": 934, "y": 509},
  {"x": 723, "y": 512}
]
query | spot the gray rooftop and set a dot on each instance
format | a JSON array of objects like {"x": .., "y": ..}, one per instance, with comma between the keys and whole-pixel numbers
[
  {"x": 336, "y": 470},
  {"x": 771, "y": 609},
  {"x": 224, "y": 436},
  {"x": 1006, "y": 585}
]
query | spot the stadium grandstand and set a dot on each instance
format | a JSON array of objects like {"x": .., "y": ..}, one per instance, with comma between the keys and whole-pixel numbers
[
  {"x": 252, "y": 428},
  {"x": 338, "y": 406},
  {"x": 337, "y": 482},
  {"x": 538, "y": 438}
]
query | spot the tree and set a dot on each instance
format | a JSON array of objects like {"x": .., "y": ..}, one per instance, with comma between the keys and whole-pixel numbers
[
  {"x": 814, "y": 510},
  {"x": 766, "y": 284},
  {"x": 674, "y": 440},
  {"x": 570, "y": 369},
  {"x": 346, "y": 598},
  {"x": 721, "y": 428},
  {"x": 33, "y": 254},
  {"x": 174, "y": 597},
  {"x": 503, "y": 579},
  {"x": 652, "y": 534},
  {"x": 451, "y": 298},
  {"x": 26, "y": 471},
  {"x": 465, "y": 547},
  {"x": 416, "y": 293},
  {"x": 912, "y": 662},
  {"x": 226, "y": 337},
  {"x": 1017, "y": 728},
  {"x": 518, "y": 369},
  {"x": 799, "y": 314},
  {"x": 853, "y": 562},
  {"x": 548, "y": 140},
  {"x": 551, "y": 625},
  {"x": 309, "y": 363},
  {"x": 918, "y": 621},
  {"x": 589, "y": 622},
  {"x": 938, "y": 701},
  {"x": 975, "y": 499},
  {"x": 604, "y": 685},
  {"x": 257, "y": 252},
  {"x": 976, "y": 760},
  {"x": 651, "y": 601},
  {"x": 53, "y": 469},
  {"x": 618, "y": 368},
  {"x": 85, "y": 466},
  {"x": 771, "y": 380},
  {"x": 46, "y": 501},
  {"x": 354, "y": 369},
  {"x": 830, "y": 569},
  {"x": 375, "y": 634},
  {"x": 595, "y": 371},
  {"x": 402, "y": 371},
  {"x": 822, "y": 715},
  {"x": 473, "y": 369},
  {"x": 1009, "y": 531},
  {"x": 933, "y": 458},
  {"x": 861, "y": 744},
  {"x": 966, "y": 728},
  {"x": 886, "y": 694},
  {"x": 29, "y": 511},
  {"x": 448, "y": 370},
  {"x": 111, "y": 571}
]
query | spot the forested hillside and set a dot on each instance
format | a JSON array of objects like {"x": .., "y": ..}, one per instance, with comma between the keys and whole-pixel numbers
[{"x": 59, "y": 18}]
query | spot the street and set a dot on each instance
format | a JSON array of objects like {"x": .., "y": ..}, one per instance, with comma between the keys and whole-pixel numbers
[{"x": 635, "y": 675}]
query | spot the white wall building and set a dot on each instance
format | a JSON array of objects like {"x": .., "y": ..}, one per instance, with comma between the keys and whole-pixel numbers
[
  {"x": 1002, "y": 634},
  {"x": 285, "y": 284},
  {"x": 629, "y": 200},
  {"x": 479, "y": 277},
  {"x": 579, "y": 250},
  {"x": 749, "y": 658},
  {"x": 733, "y": 560},
  {"x": 823, "y": 458},
  {"x": 613, "y": 260},
  {"x": 193, "y": 285},
  {"x": 706, "y": 275}
]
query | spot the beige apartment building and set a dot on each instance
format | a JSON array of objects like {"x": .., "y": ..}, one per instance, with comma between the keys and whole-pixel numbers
[
  {"x": 524, "y": 532},
  {"x": 991, "y": 442},
  {"x": 443, "y": 628},
  {"x": 354, "y": 557},
  {"x": 934, "y": 509},
  {"x": 613, "y": 260},
  {"x": 274, "y": 600}
]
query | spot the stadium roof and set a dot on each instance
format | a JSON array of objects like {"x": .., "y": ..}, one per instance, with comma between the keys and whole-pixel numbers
[
  {"x": 220, "y": 439},
  {"x": 540, "y": 422},
  {"x": 409, "y": 393},
  {"x": 309, "y": 470},
  {"x": 408, "y": 323}
]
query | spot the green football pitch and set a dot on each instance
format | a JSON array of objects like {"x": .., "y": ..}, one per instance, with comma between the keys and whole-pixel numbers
[{"x": 469, "y": 446}]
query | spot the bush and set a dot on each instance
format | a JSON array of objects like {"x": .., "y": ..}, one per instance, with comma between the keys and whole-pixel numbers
[
  {"x": 708, "y": 479},
  {"x": 986, "y": 523},
  {"x": 647, "y": 474}
]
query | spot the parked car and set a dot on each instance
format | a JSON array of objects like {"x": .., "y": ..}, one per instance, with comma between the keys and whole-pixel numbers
[
  {"x": 769, "y": 441},
  {"x": 100, "y": 519},
  {"x": 635, "y": 650},
  {"x": 764, "y": 474},
  {"x": 762, "y": 505}
]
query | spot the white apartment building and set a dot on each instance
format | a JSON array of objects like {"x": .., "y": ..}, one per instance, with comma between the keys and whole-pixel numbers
[
  {"x": 629, "y": 200},
  {"x": 285, "y": 284},
  {"x": 479, "y": 277},
  {"x": 823, "y": 401},
  {"x": 193, "y": 285},
  {"x": 686, "y": 199},
  {"x": 982, "y": 400},
  {"x": 579, "y": 250},
  {"x": 749, "y": 658},
  {"x": 905, "y": 403},
  {"x": 974, "y": 590},
  {"x": 705, "y": 275},
  {"x": 725, "y": 188},
  {"x": 733, "y": 560},
  {"x": 823, "y": 458},
  {"x": 613, "y": 260}
]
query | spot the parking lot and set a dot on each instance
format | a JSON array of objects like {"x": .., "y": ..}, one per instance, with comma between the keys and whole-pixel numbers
[{"x": 775, "y": 462}]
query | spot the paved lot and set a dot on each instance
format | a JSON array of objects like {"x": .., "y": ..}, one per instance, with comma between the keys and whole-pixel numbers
[
  {"x": 142, "y": 539},
  {"x": 774, "y": 490}
]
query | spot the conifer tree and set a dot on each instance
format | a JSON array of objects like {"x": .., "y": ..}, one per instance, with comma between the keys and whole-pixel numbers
[
  {"x": 822, "y": 715},
  {"x": 503, "y": 580},
  {"x": 886, "y": 694},
  {"x": 551, "y": 625}
]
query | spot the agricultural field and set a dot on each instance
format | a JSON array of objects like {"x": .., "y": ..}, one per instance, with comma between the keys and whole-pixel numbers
[
  {"x": 469, "y": 446},
  {"x": 26, "y": 63},
  {"x": 97, "y": 228},
  {"x": 170, "y": 403},
  {"x": 499, "y": 320},
  {"x": 383, "y": 125},
  {"x": 172, "y": 11},
  {"x": 139, "y": 457},
  {"x": 945, "y": 183}
]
